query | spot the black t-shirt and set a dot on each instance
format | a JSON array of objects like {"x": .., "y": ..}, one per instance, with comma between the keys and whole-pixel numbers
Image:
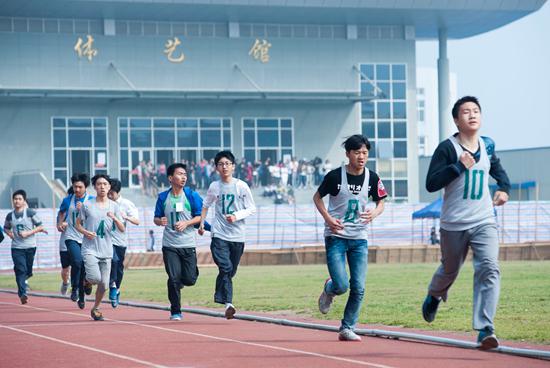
[{"x": 333, "y": 180}]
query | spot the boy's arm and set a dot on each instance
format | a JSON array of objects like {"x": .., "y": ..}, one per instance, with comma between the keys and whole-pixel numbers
[
  {"x": 249, "y": 205},
  {"x": 335, "y": 225},
  {"x": 160, "y": 219},
  {"x": 444, "y": 167},
  {"x": 501, "y": 195},
  {"x": 132, "y": 214}
]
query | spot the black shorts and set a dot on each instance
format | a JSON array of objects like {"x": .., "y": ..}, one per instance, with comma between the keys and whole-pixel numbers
[{"x": 65, "y": 259}]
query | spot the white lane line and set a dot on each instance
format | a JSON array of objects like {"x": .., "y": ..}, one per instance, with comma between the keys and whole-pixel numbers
[
  {"x": 119, "y": 356},
  {"x": 47, "y": 324},
  {"x": 272, "y": 347}
]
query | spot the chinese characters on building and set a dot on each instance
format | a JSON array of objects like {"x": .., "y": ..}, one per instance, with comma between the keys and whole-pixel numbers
[
  {"x": 85, "y": 49},
  {"x": 169, "y": 49},
  {"x": 260, "y": 50}
]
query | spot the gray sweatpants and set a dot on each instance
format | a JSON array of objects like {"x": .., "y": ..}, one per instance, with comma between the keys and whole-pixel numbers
[
  {"x": 98, "y": 270},
  {"x": 483, "y": 240}
]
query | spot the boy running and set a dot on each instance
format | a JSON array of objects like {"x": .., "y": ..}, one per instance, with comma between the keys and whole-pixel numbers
[
  {"x": 233, "y": 202},
  {"x": 349, "y": 188},
  {"x": 129, "y": 214},
  {"x": 461, "y": 165},
  {"x": 98, "y": 217},
  {"x": 178, "y": 210},
  {"x": 21, "y": 224}
]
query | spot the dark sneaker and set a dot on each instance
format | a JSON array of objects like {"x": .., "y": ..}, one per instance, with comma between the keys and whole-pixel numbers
[
  {"x": 96, "y": 315},
  {"x": 230, "y": 312},
  {"x": 325, "y": 300},
  {"x": 74, "y": 294},
  {"x": 487, "y": 339},
  {"x": 81, "y": 303},
  {"x": 348, "y": 335},
  {"x": 23, "y": 299},
  {"x": 113, "y": 297},
  {"x": 87, "y": 288},
  {"x": 429, "y": 308}
]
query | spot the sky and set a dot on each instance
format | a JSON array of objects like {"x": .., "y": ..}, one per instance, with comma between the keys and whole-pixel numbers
[{"x": 508, "y": 69}]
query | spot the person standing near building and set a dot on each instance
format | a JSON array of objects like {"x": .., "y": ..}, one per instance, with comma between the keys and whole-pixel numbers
[
  {"x": 461, "y": 165},
  {"x": 129, "y": 214},
  {"x": 349, "y": 188},
  {"x": 21, "y": 225},
  {"x": 98, "y": 217},
  {"x": 66, "y": 223},
  {"x": 233, "y": 202},
  {"x": 64, "y": 257},
  {"x": 178, "y": 209}
]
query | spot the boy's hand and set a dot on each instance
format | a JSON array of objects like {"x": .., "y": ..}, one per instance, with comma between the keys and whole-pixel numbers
[
  {"x": 90, "y": 235},
  {"x": 62, "y": 227},
  {"x": 164, "y": 221},
  {"x": 335, "y": 225},
  {"x": 500, "y": 198},
  {"x": 180, "y": 225},
  {"x": 78, "y": 205},
  {"x": 467, "y": 159},
  {"x": 367, "y": 216},
  {"x": 231, "y": 218},
  {"x": 25, "y": 233},
  {"x": 201, "y": 230}
]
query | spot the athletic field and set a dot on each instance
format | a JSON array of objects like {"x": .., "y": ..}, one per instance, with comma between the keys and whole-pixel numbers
[{"x": 394, "y": 295}]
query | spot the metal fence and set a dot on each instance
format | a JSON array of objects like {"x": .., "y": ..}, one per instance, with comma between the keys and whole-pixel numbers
[{"x": 291, "y": 226}]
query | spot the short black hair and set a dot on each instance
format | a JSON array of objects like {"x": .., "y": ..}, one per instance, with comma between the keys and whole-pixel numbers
[
  {"x": 20, "y": 192},
  {"x": 83, "y": 177},
  {"x": 70, "y": 190},
  {"x": 227, "y": 154},
  {"x": 462, "y": 101},
  {"x": 355, "y": 142},
  {"x": 172, "y": 168},
  {"x": 99, "y": 176},
  {"x": 116, "y": 185}
]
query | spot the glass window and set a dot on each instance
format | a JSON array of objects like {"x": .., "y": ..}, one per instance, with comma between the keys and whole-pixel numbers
[
  {"x": 100, "y": 123},
  {"x": 384, "y": 168},
  {"x": 248, "y": 123},
  {"x": 58, "y": 123},
  {"x": 385, "y": 87},
  {"x": 123, "y": 138},
  {"x": 80, "y": 123},
  {"x": 400, "y": 129},
  {"x": 385, "y": 149},
  {"x": 268, "y": 138},
  {"x": 368, "y": 70},
  {"x": 400, "y": 168},
  {"x": 372, "y": 151},
  {"x": 188, "y": 138},
  {"x": 140, "y": 138},
  {"x": 287, "y": 152},
  {"x": 398, "y": 72},
  {"x": 164, "y": 138},
  {"x": 383, "y": 110},
  {"x": 100, "y": 138},
  {"x": 163, "y": 123},
  {"x": 383, "y": 72},
  {"x": 371, "y": 165},
  {"x": 187, "y": 123},
  {"x": 400, "y": 188},
  {"x": 367, "y": 110},
  {"x": 80, "y": 138},
  {"x": 389, "y": 186},
  {"x": 226, "y": 123},
  {"x": 125, "y": 178},
  {"x": 367, "y": 89},
  {"x": 384, "y": 130},
  {"x": 60, "y": 158},
  {"x": 227, "y": 137},
  {"x": 421, "y": 115},
  {"x": 123, "y": 123},
  {"x": 400, "y": 149},
  {"x": 59, "y": 138},
  {"x": 286, "y": 138},
  {"x": 399, "y": 91},
  {"x": 211, "y": 138},
  {"x": 211, "y": 123},
  {"x": 399, "y": 110},
  {"x": 124, "y": 158},
  {"x": 140, "y": 123},
  {"x": 61, "y": 175},
  {"x": 368, "y": 129},
  {"x": 286, "y": 123},
  {"x": 268, "y": 123},
  {"x": 249, "y": 138}
]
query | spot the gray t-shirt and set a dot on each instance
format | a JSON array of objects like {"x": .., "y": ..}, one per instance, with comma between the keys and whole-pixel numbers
[
  {"x": 22, "y": 221},
  {"x": 178, "y": 209},
  {"x": 94, "y": 217},
  {"x": 72, "y": 213}
]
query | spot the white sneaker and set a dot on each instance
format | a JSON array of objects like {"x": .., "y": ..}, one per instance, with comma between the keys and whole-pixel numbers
[
  {"x": 230, "y": 311},
  {"x": 348, "y": 335},
  {"x": 64, "y": 288},
  {"x": 325, "y": 300}
]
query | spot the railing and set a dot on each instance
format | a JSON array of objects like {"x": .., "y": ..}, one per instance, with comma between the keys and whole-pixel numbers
[{"x": 287, "y": 226}]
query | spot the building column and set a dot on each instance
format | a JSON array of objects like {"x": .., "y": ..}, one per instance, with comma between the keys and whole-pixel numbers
[{"x": 443, "y": 89}]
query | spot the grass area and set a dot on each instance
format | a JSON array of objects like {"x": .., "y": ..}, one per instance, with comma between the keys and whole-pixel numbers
[{"x": 394, "y": 295}]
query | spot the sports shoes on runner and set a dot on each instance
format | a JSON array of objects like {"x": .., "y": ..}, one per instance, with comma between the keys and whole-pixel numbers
[
  {"x": 325, "y": 300},
  {"x": 348, "y": 335}
]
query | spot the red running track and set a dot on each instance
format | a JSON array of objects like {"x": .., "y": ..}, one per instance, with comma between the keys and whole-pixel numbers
[{"x": 53, "y": 333}]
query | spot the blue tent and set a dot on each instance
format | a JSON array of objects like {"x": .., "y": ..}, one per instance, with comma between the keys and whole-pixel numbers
[{"x": 433, "y": 210}]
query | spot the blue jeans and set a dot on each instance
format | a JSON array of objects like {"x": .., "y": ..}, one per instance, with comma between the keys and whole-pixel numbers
[
  {"x": 77, "y": 263},
  {"x": 22, "y": 266},
  {"x": 117, "y": 265},
  {"x": 356, "y": 251},
  {"x": 227, "y": 256}
]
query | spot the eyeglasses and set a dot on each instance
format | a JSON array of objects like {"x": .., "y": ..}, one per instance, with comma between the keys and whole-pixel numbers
[{"x": 224, "y": 164}]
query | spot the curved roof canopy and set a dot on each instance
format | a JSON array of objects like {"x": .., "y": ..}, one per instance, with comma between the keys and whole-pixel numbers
[{"x": 461, "y": 18}]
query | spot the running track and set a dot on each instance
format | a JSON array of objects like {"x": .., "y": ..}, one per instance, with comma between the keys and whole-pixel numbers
[{"x": 54, "y": 333}]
